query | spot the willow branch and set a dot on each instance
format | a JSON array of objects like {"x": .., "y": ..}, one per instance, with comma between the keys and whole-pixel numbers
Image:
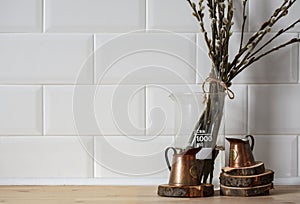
[
  {"x": 273, "y": 38},
  {"x": 243, "y": 24},
  {"x": 199, "y": 15},
  {"x": 253, "y": 41},
  {"x": 228, "y": 23},
  {"x": 254, "y": 59}
]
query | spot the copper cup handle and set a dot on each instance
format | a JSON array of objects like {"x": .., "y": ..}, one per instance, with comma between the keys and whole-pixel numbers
[
  {"x": 166, "y": 156},
  {"x": 252, "y": 141}
]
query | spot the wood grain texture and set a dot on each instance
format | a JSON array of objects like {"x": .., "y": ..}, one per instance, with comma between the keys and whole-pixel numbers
[
  {"x": 129, "y": 195},
  {"x": 245, "y": 192},
  {"x": 203, "y": 190},
  {"x": 247, "y": 181},
  {"x": 258, "y": 168}
]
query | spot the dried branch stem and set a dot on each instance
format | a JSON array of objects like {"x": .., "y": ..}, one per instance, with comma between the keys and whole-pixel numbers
[
  {"x": 254, "y": 59},
  {"x": 243, "y": 24}
]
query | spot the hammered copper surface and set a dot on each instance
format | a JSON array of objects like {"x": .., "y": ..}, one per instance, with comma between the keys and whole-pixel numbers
[{"x": 240, "y": 152}]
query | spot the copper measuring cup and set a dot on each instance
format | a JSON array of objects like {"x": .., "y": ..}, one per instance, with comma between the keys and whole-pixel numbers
[
  {"x": 240, "y": 151},
  {"x": 184, "y": 170}
]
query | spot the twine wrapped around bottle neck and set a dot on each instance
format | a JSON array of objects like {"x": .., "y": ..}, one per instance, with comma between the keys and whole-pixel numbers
[{"x": 228, "y": 91}]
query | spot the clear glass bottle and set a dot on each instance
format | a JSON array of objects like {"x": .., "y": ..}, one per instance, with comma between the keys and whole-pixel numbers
[{"x": 199, "y": 121}]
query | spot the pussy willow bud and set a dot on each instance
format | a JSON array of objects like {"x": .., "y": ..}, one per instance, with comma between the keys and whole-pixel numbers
[
  {"x": 225, "y": 21},
  {"x": 261, "y": 32},
  {"x": 246, "y": 62},
  {"x": 285, "y": 13},
  {"x": 250, "y": 46},
  {"x": 272, "y": 19}
]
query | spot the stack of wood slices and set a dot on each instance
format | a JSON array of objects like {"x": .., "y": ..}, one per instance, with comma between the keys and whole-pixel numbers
[{"x": 252, "y": 180}]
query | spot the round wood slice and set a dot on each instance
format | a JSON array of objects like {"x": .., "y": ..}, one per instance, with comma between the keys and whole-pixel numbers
[
  {"x": 258, "y": 168},
  {"x": 250, "y": 191},
  {"x": 247, "y": 181},
  {"x": 203, "y": 190}
]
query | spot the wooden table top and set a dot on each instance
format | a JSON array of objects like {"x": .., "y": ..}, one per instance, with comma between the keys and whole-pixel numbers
[{"x": 129, "y": 194}]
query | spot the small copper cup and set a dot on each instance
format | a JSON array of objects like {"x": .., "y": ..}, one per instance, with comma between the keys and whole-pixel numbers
[{"x": 240, "y": 152}]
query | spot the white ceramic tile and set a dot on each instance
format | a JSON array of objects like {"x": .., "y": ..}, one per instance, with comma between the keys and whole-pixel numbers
[
  {"x": 21, "y": 16},
  {"x": 261, "y": 11},
  {"x": 278, "y": 67},
  {"x": 279, "y": 153},
  {"x": 298, "y": 156},
  {"x": 236, "y": 111},
  {"x": 46, "y": 157},
  {"x": 58, "y": 111},
  {"x": 161, "y": 110},
  {"x": 21, "y": 110},
  {"x": 176, "y": 15},
  {"x": 94, "y": 15},
  {"x": 172, "y": 15},
  {"x": 46, "y": 59},
  {"x": 120, "y": 156},
  {"x": 94, "y": 110},
  {"x": 145, "y": 58},
  {"x": 274, "y": 109}
]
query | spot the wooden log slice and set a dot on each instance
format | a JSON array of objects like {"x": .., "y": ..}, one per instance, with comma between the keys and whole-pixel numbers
[
  {"x": 247, "y": 181},
  {"x": 250, "y": 191},
  {"x": 203, "y": 190},
  {"x": 258, "y": 168}
]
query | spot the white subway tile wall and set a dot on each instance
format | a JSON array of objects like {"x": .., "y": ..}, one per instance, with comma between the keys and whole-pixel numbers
[
  {"x": 21, "y": 16},
  {"x": 298, "y": 162},
  {"x": 94, "y": 16},
  {"x": 274, "y": 109},
  {"x": 140, "y": 58},
  {"x": 46, "y": 157},
  {"x": 21, "y": 110},
  {"x": 279, "y": 152},
  {"x": 46, "y": 59},
  {"x": 173, "y": 15},
  {"x": 94, "y": 110},
  {"x": 85, "y": 85},
  {"x": 129, "y": 156}
]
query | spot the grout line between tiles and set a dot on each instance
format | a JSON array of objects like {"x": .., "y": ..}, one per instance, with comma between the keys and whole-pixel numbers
[
  {"x": 43, "y": 16},
  {"x": 297, "y": 156},
  {"x": 146, "y": 15},
  {"x": 43, "y": 110},
  {"x": 94, "y": 155},
  {"x": 145, "y": 110},
  {"x": 94, "y": 60}
]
